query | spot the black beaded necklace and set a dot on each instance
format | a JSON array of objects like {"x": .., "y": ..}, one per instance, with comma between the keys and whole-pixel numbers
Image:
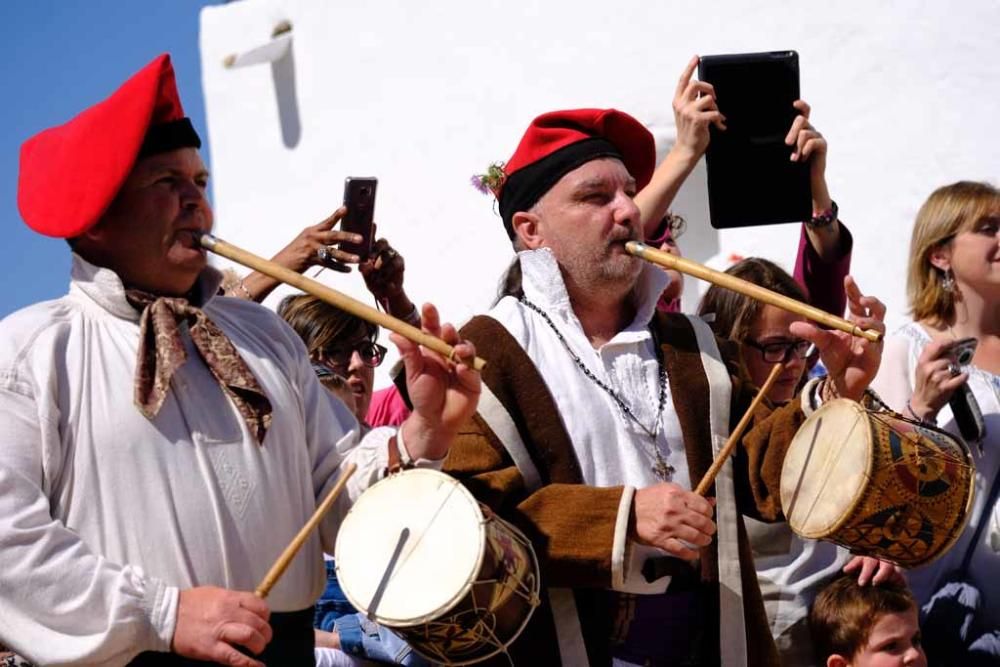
[{"x": 660, "y": 467}]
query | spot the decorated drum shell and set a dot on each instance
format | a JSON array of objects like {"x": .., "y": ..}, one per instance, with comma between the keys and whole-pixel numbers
[{"x": 877, "y": 483}]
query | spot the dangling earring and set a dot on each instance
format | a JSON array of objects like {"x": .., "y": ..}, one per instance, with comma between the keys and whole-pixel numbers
[{"x": 948, "y": 281}]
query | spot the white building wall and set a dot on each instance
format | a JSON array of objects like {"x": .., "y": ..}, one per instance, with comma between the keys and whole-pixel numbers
[{"x": 423, "y": 95}]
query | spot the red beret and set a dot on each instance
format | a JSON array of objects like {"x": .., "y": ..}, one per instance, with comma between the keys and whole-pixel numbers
[
  {"x": 560, "y": 141},
  {"x": 69, "y": 174}
]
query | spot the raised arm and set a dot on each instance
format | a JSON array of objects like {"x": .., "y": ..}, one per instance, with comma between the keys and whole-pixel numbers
[
  {"x": 694, "y": 111},
  {"x": 824, "y": 257}
]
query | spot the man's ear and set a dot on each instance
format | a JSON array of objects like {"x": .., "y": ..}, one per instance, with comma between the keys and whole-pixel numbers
[
  {"x": 526, "y": 227},
  {"x": 940, "y": 257},
  {"x": 837, "y": 660}
]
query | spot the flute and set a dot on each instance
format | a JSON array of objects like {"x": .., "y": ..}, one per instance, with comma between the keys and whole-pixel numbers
[
  {"x": 749, "y": 289},
  {"x": 334, "y": 298}
]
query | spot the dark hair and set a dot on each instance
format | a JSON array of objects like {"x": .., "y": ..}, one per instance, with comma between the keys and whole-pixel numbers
[
  {"x": 321, "y": 325},
  {"x": 842, "y": 617},
  {"x": 734, "y": 313},
  {"x": 510, "y": 282}
]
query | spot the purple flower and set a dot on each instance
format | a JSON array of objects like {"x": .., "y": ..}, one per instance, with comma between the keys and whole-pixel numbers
[{"x": 479, "y": 183}]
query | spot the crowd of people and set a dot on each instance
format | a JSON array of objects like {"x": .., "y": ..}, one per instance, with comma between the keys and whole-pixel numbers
[{"x": 167, "y": 436}]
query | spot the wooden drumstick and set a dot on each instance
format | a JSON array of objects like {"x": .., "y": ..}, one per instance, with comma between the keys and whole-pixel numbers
[
  {"x": 737, "y": 433},
  {"x": 333, "y": 297},
  {"x": 747, "y": 288},
  {"x": 285, "y": 559}
]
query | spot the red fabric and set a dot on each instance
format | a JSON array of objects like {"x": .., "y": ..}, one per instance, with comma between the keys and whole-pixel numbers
[
  {"x": 387, "y": 408},
  {"x": 69, "y": 174},
  {"x": 558, "y": 129}
]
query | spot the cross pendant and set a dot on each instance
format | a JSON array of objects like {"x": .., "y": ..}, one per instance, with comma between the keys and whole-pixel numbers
[{"x": 662, "y": 469}]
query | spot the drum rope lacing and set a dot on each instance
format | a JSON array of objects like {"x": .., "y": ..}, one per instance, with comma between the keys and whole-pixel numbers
[{"x": 660, "y": 467}]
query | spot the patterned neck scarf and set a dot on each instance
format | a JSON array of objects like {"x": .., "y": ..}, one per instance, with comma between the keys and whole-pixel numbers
[{"x": 161, "y": 352}]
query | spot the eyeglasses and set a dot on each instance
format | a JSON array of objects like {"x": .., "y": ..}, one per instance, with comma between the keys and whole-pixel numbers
[
  {"x": 372, "y": 355},
  {"x": 779, "y": 353},
  {"x": 671, "y": 227}
]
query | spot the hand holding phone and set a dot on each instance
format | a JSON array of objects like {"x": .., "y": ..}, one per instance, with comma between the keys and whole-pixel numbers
[
  {"x": 964, "y": 405},
  {"x": 359, "y": 199}
]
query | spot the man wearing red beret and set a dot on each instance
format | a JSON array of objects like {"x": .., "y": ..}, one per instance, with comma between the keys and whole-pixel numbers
[
  {"x": 162, "y": 445},
  {"x": 599, "y": 416}
]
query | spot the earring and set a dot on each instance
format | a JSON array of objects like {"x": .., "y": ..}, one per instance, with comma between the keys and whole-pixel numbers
[{"x": 948, "y": 281}]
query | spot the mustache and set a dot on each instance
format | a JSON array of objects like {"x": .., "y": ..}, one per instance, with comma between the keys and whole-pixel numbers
[{"x": 623, "y": 236}]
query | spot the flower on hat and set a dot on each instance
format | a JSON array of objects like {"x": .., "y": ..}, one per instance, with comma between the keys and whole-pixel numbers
[{"x": 491, "y": 181}]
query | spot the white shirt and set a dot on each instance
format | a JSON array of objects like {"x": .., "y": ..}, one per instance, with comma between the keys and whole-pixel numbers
[
  {"x": 611, "y": 448},
  {"x": 894, "y": 384},
  {"x": 105, "y": 515}
]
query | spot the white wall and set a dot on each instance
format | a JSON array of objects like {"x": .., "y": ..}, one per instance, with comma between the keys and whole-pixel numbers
[{"x": 423, "y": 95}]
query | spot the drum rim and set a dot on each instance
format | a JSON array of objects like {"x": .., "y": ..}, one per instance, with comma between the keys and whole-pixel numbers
[
  {"x": 858, "y": 492},
  {"x": 454, "y": 599}
]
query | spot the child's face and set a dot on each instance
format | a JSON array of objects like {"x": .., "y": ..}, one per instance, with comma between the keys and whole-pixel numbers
[{"x": 894, "y": 641}]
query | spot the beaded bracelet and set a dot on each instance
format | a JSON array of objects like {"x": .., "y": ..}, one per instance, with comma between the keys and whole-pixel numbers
[
  {"x": 930, "y": 420},
  {"x": 824, "y": 219}
]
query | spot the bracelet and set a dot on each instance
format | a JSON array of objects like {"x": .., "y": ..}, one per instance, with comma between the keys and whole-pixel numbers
[
  {"x": 399, "y": 458},
  {"x": 825, "y": 218},
  {"x": 930, "y": 420},
  {"x": 413, "y": 317}
]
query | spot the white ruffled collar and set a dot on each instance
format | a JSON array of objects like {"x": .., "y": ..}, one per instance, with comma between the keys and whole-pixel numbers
[{"x": 544, "y": 286}]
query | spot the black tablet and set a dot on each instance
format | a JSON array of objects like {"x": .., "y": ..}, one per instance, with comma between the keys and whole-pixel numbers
[{"x": 751, "y": 180}]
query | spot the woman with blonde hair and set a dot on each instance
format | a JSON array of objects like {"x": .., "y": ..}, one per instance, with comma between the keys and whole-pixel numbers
[{"x": 954, "y": 294}]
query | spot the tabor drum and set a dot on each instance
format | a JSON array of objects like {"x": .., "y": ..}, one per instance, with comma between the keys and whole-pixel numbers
[
  {"x": 877, "y": 483},
  {"x": 418, "y": 554}
]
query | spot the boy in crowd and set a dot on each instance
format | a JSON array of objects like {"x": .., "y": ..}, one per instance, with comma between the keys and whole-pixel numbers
[{"x": 866, "y": 626}]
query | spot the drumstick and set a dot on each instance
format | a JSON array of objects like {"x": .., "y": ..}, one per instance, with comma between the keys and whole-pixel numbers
[
  {"x": 333, "y": 297},
  {"x": 737, "y": 433},
  {"x": 285, "y": 559},
  {"x": 749, "y": 289}
]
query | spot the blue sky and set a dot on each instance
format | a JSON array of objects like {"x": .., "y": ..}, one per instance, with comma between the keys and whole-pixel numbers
[{"x": 58, "y": 57}]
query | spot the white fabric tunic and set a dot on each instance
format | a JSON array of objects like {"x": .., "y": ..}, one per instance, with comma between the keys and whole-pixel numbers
[
  {"x": 105, "y": 515},
  {"x": 894, "y": 384},
  {"x": 611, "y": 448}
]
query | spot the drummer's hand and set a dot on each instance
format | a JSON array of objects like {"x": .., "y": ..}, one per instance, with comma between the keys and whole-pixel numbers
[
  {"x": 675, "y": 520},
  {"x": 934, "y": 382},
  {"x": 850, "y": 360},
  {"x": 211, "y": 621},
  {"x": 304, "y": 250},
  {"x": 444, "y": 395},
  {"x": 883, "y": 571},
  {"x": 694, "y": 111}
]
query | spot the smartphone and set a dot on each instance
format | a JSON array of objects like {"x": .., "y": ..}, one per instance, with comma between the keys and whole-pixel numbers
[
  {"x": 962, "y": 351},
  {"x": 359, "y": 198},
  {"x": 964, "y": 406},
  {"x": 751, "y": 180}
]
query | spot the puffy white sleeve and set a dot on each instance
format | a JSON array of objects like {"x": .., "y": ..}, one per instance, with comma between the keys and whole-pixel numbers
[
  {"x": 894, "y": 382},
  {"x": 60, "y": 603}
]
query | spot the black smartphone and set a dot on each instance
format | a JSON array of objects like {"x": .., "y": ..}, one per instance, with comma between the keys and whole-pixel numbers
[
  {"x": 751, "y": 180},
  {"x": 359, "y": 198}
]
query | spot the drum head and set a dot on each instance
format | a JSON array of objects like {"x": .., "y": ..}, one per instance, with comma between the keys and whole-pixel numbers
[
  {"x": 438, "y": 560},
  {"x": 826, "y": 468}
]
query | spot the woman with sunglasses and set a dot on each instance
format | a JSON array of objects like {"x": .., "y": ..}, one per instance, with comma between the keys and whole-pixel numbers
[
  {"x": 790, "y": 569},
  {"x": 953, "y": 286},
  {"x": 339, "y": 341}
]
